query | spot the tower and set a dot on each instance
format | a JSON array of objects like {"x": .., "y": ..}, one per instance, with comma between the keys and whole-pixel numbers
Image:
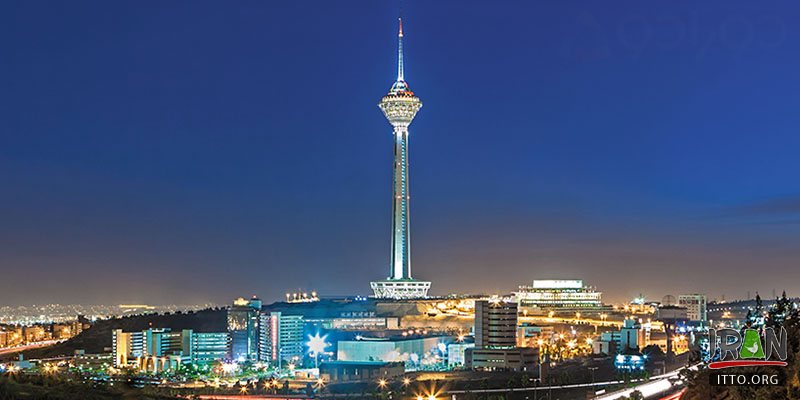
[{"x": 400, "y": 106}]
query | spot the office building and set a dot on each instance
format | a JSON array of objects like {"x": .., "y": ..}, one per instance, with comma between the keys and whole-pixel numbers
[
  {"x": 400, "y": 106},
  {"x": 695, "y": 305},
  {"x": 157, "y": 350},
  {"x": 281, "y": 338},
  {"x": 243, "y": 320},
  {"x": 496, "y": 339},
  {"x": 495, "y": 324}
]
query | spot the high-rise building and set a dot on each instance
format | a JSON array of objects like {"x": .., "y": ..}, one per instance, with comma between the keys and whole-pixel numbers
[
  {"x": 496, "y": 339},
  {"x": 281, "y": 338},
  {"x": 243, "y": 318},
  {"x": 696, "y": 306},
  {"x": 495, "y": 324},
  {"x": 400, "y": 106}
]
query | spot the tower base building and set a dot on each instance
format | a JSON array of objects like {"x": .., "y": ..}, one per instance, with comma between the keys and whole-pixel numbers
[{"x": 400, "y": 289}]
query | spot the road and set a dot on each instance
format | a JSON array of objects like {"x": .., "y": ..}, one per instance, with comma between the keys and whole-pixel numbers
[
  {"x": 657, "y": 385},
  {"x": 10, "y": 350}
]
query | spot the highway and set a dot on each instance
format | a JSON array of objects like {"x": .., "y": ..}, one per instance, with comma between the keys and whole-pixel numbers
[
  {"x": 657, "y": 385},
  {"x": 30, "y": 346}
]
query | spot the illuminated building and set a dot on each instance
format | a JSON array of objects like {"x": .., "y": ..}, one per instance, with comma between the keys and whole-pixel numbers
[
  {"x": 558, "y": 295},
  {"x": 400, "y": 106},
  {"x": 159, "y": 349},
  {"x": 696, "y": 306},
  {"x": 301, "y": 297},
  {"x": 413, "y": 349},
  {"x": 208, "y": 347},
  {"x": 243, "y": 318},
  {"x": 630, "y": 362},
  {"x": 496, "y": 339},
  {"x": 456, "y": 354},
  {"x": 495, "y": 324},
  {"x": 528, "y": 335},
  {"x": 281, "y": 338},
  {"x": 631, "y": 335}
]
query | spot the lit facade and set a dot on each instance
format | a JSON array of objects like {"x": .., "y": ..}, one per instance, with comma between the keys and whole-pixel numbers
[
  {"x": 496, "y": 339},
  {"x": 400, "y": 106},
  {"x": 559, "y": 295},
  {"x": 495, "y": 324},
  {"x": 280, "y": 338},
  {"x": 157, "y": 350},
  {"x": 243, "y": 319},
  {"x": 412, "y": 351}
]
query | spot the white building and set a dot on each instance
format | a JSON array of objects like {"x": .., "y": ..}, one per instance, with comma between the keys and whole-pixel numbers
[
  {"x": 559, "y": 295},
  {"x": 695, "y": 305}
]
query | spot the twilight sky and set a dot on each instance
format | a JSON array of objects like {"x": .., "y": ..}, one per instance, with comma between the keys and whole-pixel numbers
[{"x": 189, "y": 151}]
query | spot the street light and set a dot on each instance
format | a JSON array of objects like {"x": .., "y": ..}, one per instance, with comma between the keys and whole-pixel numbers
[
  {"x": 406, "y": 381},
  {"x": 382, "y": 383}
]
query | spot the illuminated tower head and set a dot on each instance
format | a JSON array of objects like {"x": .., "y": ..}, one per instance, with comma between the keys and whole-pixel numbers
[{"x": 400, "y": 106}]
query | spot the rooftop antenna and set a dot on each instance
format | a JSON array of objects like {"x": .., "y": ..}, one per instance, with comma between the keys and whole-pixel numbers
[{"x": 400, "y": 48}]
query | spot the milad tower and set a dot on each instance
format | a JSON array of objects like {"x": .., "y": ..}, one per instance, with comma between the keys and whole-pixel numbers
[{"x": 400, "y": 106}]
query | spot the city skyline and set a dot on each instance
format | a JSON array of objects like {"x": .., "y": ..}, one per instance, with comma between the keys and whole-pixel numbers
[{"x": 233, "y": 152}]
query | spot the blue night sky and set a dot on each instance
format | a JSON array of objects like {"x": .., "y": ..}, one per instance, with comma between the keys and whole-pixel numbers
[{"x": 189, "y": 151}]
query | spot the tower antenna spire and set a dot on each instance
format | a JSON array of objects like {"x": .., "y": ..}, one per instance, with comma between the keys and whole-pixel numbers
[{"x": 400, "y": 50}]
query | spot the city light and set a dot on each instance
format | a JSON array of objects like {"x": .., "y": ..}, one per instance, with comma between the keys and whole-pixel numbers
[
  {"x": 406, "y": 381},
  {"x": 317, "y": 344},
  {"x": 382, "y": 383}
]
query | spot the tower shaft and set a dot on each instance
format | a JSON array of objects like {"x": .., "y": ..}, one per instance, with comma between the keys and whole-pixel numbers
[{"x": 401, "y": 234}]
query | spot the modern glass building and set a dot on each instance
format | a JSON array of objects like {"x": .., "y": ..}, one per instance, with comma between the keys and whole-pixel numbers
[
  {"x": 243, "y": 320},
  {"x": 209, "y": 347},
  {"x": 157, "y": 349},
  {"x": 281, "y": 338}
]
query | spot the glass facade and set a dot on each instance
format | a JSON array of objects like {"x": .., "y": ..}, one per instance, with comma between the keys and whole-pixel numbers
[
  {"x": 281, "y": 338},
  {"x": 243, "y": 320}
]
